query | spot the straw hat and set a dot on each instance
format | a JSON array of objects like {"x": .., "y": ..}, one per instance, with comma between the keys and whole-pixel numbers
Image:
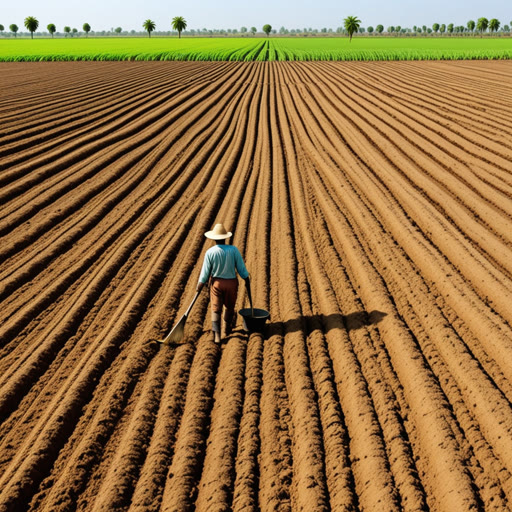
[{"x": 218, "y": 233}]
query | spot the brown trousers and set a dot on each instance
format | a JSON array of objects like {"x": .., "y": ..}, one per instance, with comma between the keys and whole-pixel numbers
[{"x": 223, "y": 292}]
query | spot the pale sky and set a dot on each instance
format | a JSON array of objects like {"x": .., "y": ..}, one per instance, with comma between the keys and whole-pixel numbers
[{"x": 130, "y": 14}]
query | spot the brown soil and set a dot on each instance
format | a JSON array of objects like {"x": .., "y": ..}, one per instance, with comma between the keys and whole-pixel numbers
[{"x": 372, "y": 204}]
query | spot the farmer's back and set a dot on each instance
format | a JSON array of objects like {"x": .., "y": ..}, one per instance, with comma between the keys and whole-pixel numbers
[{"x": 221, "y": 261}]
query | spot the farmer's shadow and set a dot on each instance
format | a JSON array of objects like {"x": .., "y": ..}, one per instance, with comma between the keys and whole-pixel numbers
[{"x": 351, "y": 322}]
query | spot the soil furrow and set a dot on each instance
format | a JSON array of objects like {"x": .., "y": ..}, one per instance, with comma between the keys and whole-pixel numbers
[{"x": 371, "y": 204}]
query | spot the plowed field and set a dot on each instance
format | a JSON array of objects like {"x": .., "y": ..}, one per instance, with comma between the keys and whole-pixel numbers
[{"x": 372, "y": 203}]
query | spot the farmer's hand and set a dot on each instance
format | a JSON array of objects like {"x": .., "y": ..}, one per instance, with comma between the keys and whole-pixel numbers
[{"x": 199, "y": 287}]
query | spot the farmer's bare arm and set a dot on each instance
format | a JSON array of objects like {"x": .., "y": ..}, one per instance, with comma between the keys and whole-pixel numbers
[{"x": 199, "y": 287}]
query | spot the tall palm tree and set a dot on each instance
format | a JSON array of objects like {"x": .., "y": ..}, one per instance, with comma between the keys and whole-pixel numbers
[
  {"x": 179, "y": 24},
  {"x": 494, "y": 25},
  {"x": 482, "y": 24},
  {"x": 31, "y": 25},
  {"x": 51, "y": 28},
  {"x": 351, "y": 24},
  {"x": 149, "y": 26}
]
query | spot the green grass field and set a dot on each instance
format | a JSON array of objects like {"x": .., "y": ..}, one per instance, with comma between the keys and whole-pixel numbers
[{"x": 248, "y": 49}]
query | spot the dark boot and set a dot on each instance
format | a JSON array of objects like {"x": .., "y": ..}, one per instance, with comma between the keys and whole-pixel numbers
[{"x": 228, "y": 324}]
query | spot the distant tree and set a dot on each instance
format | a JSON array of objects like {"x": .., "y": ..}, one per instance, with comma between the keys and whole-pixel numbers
[
  {"x": 254, "y": 30},
  {"x": 179, "y": 24},
  {"x": 418, "y": 30},
  {"x": 74, "y": 31},
  {"x": 351, "y": 24},
  {"x": 429, "y": 31},
  {"x": 267, "y": 29},
  {"x": 506, "y": 28},
  {"x": 494, "y": 25},
  {"x": 31, "y": 25},
  {"x": 324, "y": 30},
  {"x": 274, "y": 31},
  {"x": 67, "y": 30},
  {"x": 235, "y": 31},
  {"x": 149, "y": 26},
  {"x": 118, "y": 30},
  {"x": 379, "y": 29},
  {"x": 398, "y": 28},
  {"x": 86, "y": 28},
  {"x": 369, "y": 29},
  {"x": 435, "y": 27},
  {"x": 51, "y": 28},
  {"x": 362, "y": 30},
  {"x": 449, "y": 28},
  {"x": 390, "y": 29},
  {"x": 2, "y": 28},
  {"x": 243, "y": 30},
  {"x": 482, "y": 24},
  {"x": 13, "y": 28},
  {"x": 424, "y": 28},
  {"x": 471, "y": 25},
  {"x": 442, "y": 28}
]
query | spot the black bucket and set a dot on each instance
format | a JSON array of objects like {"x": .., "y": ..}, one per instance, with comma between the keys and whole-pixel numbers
[{"x": 256, "y": 322}]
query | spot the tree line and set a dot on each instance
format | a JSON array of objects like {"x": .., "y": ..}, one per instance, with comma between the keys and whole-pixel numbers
[
  {"x": 31, "y": 23},
  {"x": 179, "y": 24}
]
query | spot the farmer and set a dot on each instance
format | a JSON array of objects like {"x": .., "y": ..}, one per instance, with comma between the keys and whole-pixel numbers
[{"x": 219, "y": 265}]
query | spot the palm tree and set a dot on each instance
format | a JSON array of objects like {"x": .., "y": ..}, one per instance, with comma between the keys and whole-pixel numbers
[
  {"x": 482, "y": 24},
  {"x": 351, "y": 24},
  {"x": 13, "y": 28},
  {"x": 267, "y": 28},
  {"x": 494, "y": 25},
  {"x": 51, "y": 28},
  {"x": 87, "y": 28},
  {"x": 31, "y": 25},
  {"x": 471, "y": 25},
  {"x": 179, "y": 24},
  {"x": 149, "y": 26}
]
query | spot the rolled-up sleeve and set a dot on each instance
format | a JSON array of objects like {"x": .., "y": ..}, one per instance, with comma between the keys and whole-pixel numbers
[
  {"x": 206, "y": 269},
  {"x": 240, "y": 265}
]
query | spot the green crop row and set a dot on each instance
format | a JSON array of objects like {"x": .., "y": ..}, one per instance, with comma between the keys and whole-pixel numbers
[{"x": 256, "y": 49}]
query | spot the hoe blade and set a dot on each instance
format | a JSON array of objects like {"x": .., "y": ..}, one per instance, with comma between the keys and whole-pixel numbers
[{"x": 177, "y": 332}]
